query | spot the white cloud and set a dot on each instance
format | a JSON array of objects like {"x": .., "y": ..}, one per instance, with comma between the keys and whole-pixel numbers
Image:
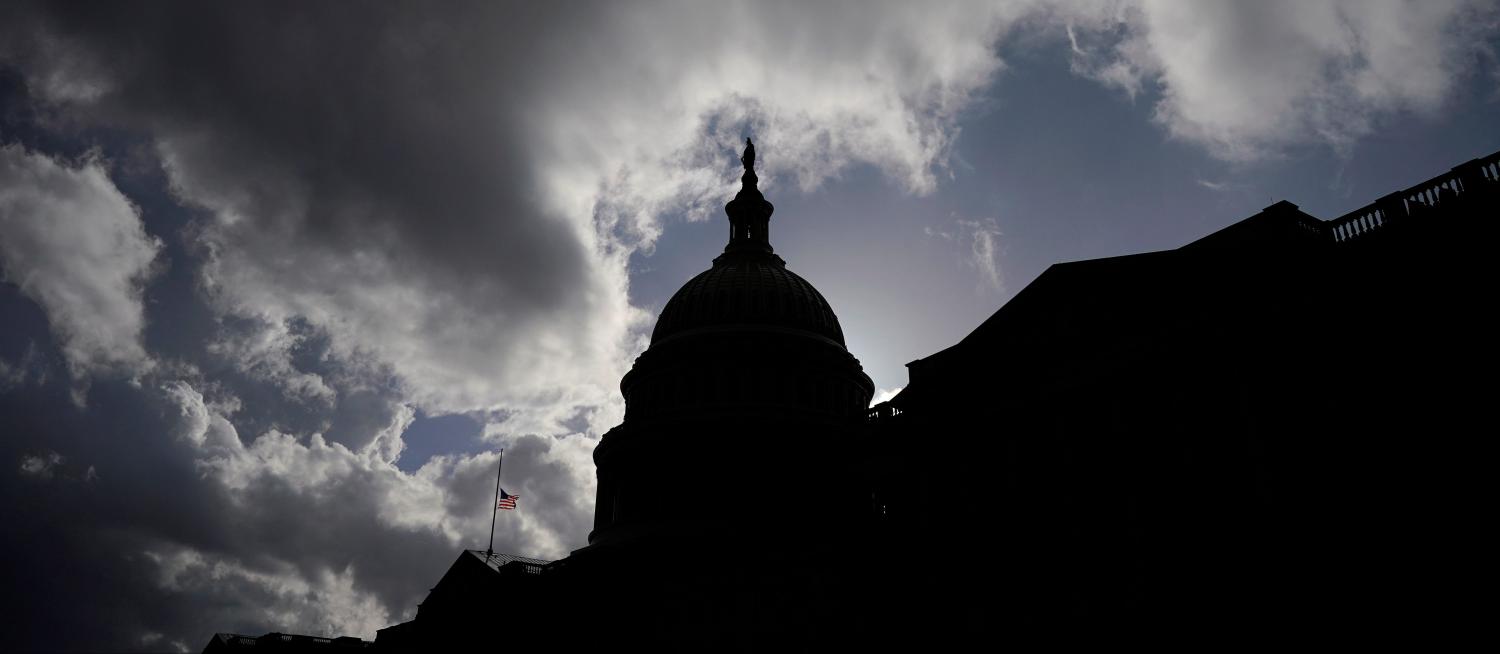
[
  {"x": 201, "y": 425},
  {"x": 1248, "y": 79},
  {"x": 885, "y": 395},
  {"x": 74, "y": 244},
  {"x": 324, "y": 603},
  {"x": 983, "y": 237},
  {"x": 264, "y": 352}
]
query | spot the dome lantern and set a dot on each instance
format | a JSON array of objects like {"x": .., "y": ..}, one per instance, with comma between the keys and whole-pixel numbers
[{"x": 749, "y": 211}]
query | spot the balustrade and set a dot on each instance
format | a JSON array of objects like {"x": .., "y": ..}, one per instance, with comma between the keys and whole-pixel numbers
[{"x": 1420, "y": 199}]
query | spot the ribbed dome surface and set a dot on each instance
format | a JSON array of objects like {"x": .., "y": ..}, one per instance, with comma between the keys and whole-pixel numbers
[{"x": 748, "y": 289}]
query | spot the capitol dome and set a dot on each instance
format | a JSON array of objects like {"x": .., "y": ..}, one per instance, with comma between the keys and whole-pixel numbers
[
  {"x": 748, "y": 286},
  {"x": 751, "y": 289},
  {"x": 746, "y": 353}
]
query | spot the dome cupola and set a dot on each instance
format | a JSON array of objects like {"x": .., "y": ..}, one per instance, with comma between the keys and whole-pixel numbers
[
  {"x": 749, "y": 212},
  {"x": 748, "y": 285}
]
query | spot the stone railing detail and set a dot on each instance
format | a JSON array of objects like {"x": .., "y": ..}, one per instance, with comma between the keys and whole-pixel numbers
[
  {"x": 1471, "y": 177},
  {"x": 882, "y": 411}
]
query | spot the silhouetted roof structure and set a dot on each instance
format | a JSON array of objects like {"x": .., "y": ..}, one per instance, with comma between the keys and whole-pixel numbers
[
  {"x": 497, "y": 561},
  {"x": 283, "y": 643},
  {"x": 1264, "y": 432}
]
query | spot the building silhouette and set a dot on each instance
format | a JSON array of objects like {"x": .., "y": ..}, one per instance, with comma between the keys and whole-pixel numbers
[
  {"x": 1272, "y": 432},
  {"x": 727, "y": 498}
]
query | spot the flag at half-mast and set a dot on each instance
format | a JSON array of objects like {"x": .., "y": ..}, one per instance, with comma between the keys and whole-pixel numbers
[{"x": 507, "y": 501}]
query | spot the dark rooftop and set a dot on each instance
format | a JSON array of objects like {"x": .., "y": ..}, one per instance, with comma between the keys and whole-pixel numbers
[{"x": 497, "y": 560}]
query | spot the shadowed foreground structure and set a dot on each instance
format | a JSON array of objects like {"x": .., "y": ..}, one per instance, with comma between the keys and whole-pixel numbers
[{"x": 1261, "y": 434}]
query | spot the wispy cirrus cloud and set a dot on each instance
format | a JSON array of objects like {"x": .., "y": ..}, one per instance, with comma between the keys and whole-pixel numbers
[{"x": 980, "y": 240}]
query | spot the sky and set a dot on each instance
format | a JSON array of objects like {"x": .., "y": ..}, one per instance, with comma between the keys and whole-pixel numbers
[{"x": 279, "y": 280}]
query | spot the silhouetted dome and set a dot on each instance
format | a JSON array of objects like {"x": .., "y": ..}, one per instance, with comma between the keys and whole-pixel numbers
[
  {"x": 746, "y": 352},
  {"x": 748, "y": 289}
]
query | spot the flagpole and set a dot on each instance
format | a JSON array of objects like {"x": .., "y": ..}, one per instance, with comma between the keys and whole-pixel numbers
[{"x": 495, "y": 506}]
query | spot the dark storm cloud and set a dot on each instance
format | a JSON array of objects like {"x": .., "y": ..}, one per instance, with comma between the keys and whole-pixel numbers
[
  {"x": 86, "y": 588},
  {"x": 367, "y": 173},
  {"x": 360, "y": 123}
]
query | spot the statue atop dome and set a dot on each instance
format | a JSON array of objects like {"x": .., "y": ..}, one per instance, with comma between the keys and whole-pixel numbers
[
  {"x": 749, "y": 211},
  {"x": 749, "y": 157}
]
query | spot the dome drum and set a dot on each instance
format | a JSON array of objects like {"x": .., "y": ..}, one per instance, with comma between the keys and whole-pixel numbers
[
  {"x": 643, "y": 467},
  {"x": 829, "y": 393}
]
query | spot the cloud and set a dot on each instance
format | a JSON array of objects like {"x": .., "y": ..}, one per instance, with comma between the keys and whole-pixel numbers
[
  {"x": 74, "y": 244},
  {"x": 264, "y": 350},
  {"x": 981, "y": 239},
  {"x": 884, "y": 395},
  {"x": 426, "y": 199},
  {"x": 1248, "y": 80},
  {"x": 201, "y": 528},
  {"x": 41, "y": 465},
  {"x": 325, "y": 603},
  {"x": 200, "y": 425},
  {"x": 30, "y": 367}
]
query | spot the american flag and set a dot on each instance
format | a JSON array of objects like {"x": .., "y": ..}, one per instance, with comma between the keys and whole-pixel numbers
[{"x": 507, "y": 501}]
